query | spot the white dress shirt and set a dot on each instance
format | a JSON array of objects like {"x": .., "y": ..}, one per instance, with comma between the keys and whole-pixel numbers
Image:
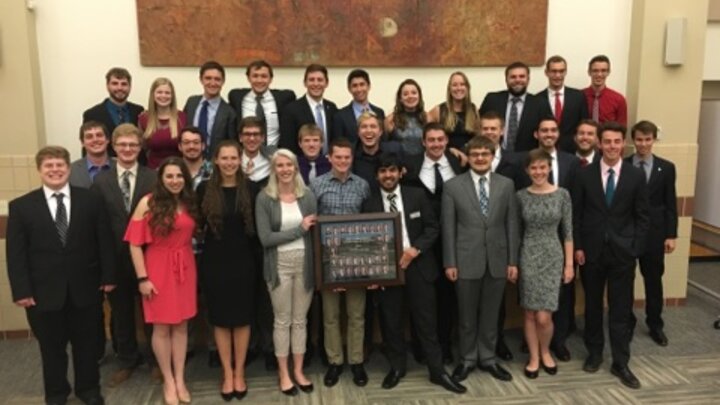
[
  {"x": 400, "y": 209},
  {"x": 52, "y": 201},
  {"x": 133, "y": 177},
  {"x": 427, "y": 171},
  {"x": 272, "y": 121},
  {"x": 261, "y": 166},
  {"x": 476, "y": 184}
]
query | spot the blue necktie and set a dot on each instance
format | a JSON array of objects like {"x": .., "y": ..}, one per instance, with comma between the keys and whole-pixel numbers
[
  {"x": 321, "y": 123},
  {"x": 203, "y": 123},
  {"x": 610, "y": 187}
]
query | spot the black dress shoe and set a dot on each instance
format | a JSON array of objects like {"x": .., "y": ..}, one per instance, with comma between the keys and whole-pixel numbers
[
  {"x": 92, "y": 399},
  {"x": 270, "y": 362},
  {"x": 239, "y": 395},
  {"x": 332, "y": 375},
  {"x": 550, "y": 370},
  {"x": 291, "y": 392},
  {"x": 227, "y": 396},
  {"x": 306, "y": 388},
  {"x": 592, "y": 363},
  {"x": 497, "y": 372},
  {"x": 502, "y": 351},
  {"x": 360, "y": 377},
  {"x": 658, "y": 336},
  {"x": 626, "y": 376},
  {"x": 531, "y": 374},
  {"x": 461, "y": 372},
  {"x": 449, "y": 383},
  {"x": 561, "y": 352},
  {"x": 214, "y": 359},
  {"x": 392, "y": 379}
]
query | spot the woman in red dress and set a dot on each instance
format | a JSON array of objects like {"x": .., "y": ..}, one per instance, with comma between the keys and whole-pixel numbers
[
  {"x": 164, "y": 223},
  {"x": 161, "y": 123}
]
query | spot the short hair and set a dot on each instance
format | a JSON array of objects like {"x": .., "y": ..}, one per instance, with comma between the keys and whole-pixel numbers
[
  {"x": 92, "y": 124},
  {"x": 493, "y": 115},
  {"x": 50, "y": 152},
  {"x": 554, "y": 59},
  {"x": 310, "y": 130},
  {"x": 315, "y": 68},
  {"x": 251, "y": 122},
  {"x": 258, "y": 64},
  {"x": 119, "y": 73},
  {"x": 358, "y": 74},
  {"x": 212, "y": 65},
  {"x": 517, "y": 65},
  {"x": 646, "y": 127},
  {"x": 339, "y": 143},
  {"x": 480, "y": 142},
  {"x": 193, "y": 130},
  {"x": 537, "y": 154},
  {"x": 589, "y": 121},
  {"x": 127, "y": 129},
  {"x": 599, "y": 58},
  {"x": 369, "y": 115},
  {"x": 386, "y": 160},
  {"x": 547, "y": 118},
  {"x": 611, "y": 126},
  {"x": 433, "y": 126}
]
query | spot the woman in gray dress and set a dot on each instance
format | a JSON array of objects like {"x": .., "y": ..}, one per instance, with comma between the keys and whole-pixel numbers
[{"x": 546, "y": 256}]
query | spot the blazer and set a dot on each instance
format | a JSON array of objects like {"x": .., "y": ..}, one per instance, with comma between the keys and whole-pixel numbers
[
  {"x": 662, "y": 200},
  {"x": 224, "y": 127},
  {"x": 574, "y": 110},
  {"x": 512, "y": 166},
  {"x": 474, "y": 243},
  {"x": 297, "y": 114},
  {"x": 39, "y": 266},
  {"x": 413, "y": 166},
  {"x": 282, "y": 99},
  {"x": 268, "y": 220},
  {"x": 421, "y": 224},
  {"x": 624, "y": 224},
  {"x": 533, "y": 110},
  {"x": 100, "y": 113},
  {"x": 79, "y": 175},
  {"x": 346, "y": 126}
]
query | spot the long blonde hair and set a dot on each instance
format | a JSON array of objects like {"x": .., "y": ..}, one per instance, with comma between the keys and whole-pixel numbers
[
  {"x": 153, "y": 123},
  {"x": 272, "y": 186},
  {"x": 451, "y": 119}
]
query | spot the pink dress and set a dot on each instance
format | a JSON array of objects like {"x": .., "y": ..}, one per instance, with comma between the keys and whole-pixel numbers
[
  {"x": 170, "y": 266},
  {"x": 161, "y": 144}
]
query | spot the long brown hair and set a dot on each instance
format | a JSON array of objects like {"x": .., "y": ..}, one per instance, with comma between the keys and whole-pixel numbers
[
  {"x": 400, "y": 116},
  {"x": 213, "y": 202},
  {"x": 163, "y": 205}
]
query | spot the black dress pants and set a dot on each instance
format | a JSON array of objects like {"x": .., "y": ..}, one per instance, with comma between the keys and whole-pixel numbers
[{"x": 652, "y": 268}]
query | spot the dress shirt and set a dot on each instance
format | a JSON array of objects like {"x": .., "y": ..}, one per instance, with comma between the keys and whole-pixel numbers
[
  {"x": 551, "y": 98},
  {"x": 313, "y": 104},
  {"x": 589, "y": 157},
  {"x": 261, "y": 166},
  {"x": 358, "y": 108},
  {"x": 52, "y": 201},
  {"x": 93, "y": 170},
  {"x": 337, "y": 197},
  {"x": 206, "y": 169},
  {"x": 604, "y": 172},
  {"x": 400, "y": 209},
  {"x": 648, "y": 164},
  {"x": 427, "y": 171},
  {"x": 115, "y": 111},
  {"x": 519, "y": 107},
  {"x": 476, "y": 183},
  {"x": 213, "y": 105},
  {"x": 322, "y": 166},
  {"x": 612, "y": 107},
  {"x": 132, "y": 178},
  {"x": 496, "y": 159},
  {"x": 272, "y": 121},
  {"x": 555, "y": 168}
]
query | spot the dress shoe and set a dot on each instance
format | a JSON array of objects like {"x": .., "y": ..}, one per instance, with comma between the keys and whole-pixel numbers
[
  {"x": 332, "y": 375},
  {"x": 531, "y": 374},
  {"x": 227, "y": 396},
  {"x": 592, "y": 363},
  {"x": 658, "y": 336},
  {"x": 239, "y": 395},
  {"x": 184, "y": 397},
  {"x": 392, "y": 378},
  {"x": 626, "y": 376},
  {"x": 550, "y": 370},
  {"x": 306, "y": 388},
  {"x": 360, "y": 377},
  {"x": 461, "y": 372},
  {"x": 502, "y": 351},
  {"x": 270, "y": 362},
  {"x": 444, "y": 380},
  {"x": 497, "y": 372},
  {"x": 120, "y": 376},
  {"x": 561, "y": 352},
  {"x": 214, "y": 359},
  {"x": 291, "y": 392},
  {"x": 92, "y": 399}
]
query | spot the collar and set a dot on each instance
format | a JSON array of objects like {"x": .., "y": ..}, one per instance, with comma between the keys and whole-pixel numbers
[
  {"x": 552, "y": 92},
  {"x": 263, "y": 96},
  {"x": 133, "y": 170},
  {"x": 604, "y": 167},
  {"x": 314, "y": 103},
  {"x": 636, "y": 160},
  {"x": 476, "y": 176},
  {"x": 48, "y": 192},
  {"x": 443, "y": 161},
  {"x": 214, "y": 102},
  {"x": 522, "y": 97},
  {"x": 385, "y": 194},
  {"x": 90, "y": 165},
  {"x": 358, "y": 108}
]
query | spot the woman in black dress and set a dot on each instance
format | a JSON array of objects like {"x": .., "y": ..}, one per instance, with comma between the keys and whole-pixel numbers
[
  {"x": 458, "y": 114},
  {"x": 227, "y": 268}
]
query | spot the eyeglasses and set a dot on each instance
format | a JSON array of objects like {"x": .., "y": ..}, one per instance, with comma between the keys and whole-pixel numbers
[
  {"x": 126, "y": 145},
  {"x": 476, "y": 155}
]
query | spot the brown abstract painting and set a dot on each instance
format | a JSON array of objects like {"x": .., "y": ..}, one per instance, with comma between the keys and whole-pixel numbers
[{"x": 342, "y": 32}]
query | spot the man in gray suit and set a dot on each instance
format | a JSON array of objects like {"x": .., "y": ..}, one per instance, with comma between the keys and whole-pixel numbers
[
  {"x": 208, "y": 111},
  {"x": 94, "y": 139},
  {"x": 480, "y": 248}
]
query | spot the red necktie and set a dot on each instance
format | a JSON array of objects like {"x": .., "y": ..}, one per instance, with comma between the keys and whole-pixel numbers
[
  {"x": 558, "y": 107},
  {"x": 583, "y": 162}
]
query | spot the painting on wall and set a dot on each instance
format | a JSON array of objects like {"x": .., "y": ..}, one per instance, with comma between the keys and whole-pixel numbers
[{"x": 342, "y": 32}]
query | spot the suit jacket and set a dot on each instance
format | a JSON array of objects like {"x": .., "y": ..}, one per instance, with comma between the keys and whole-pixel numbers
[
  {"x": 623, "y": 225},
  {"x": 297, "y": 114},
  {"x": 574, "y": 110},
  {"x": 662, "y": 204},
  {"x": 365, "y": 165},
  {"x": 413, "y": 166},
  {"x": 345, "y": 124},
  {"x": 512, "y": 166},
  {"x": 533, "y": 110},
  {"x": 282, "y": 99},
  {"x": 224, "y": 127},
  {"x": 39, "y": 266},
  {"x": 421, "y": 224},
  {"x": 471, "y": 242},
  {"x": 100, "y": 113},
  {"x": 79, "y": 175}
]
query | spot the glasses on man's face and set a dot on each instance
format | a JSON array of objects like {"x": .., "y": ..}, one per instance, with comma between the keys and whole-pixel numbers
[
  {"x": 127, "y": 145},
  {"x": 191, "y": 143},
  {"x": 475, "y": 155},
  {"x": 252, "y": 134}
]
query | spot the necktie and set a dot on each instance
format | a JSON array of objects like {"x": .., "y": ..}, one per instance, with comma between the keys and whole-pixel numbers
[
  {"x": 321, "y": 123},
  {"x": 393, "y": 206},
  {"x": 512, "y": 125},
  {"x": 313, "y": 171},
  {"x": 484, "y": 200},
  {"x": 583, "y": 162},
  {"x": 610, "y": 187},
  {"x": 438, "y": 179},
  {"x": 558, "y": 107},
  {"x": 644, "y": 166},
  {"x": 249, "y": 166},
  {"x": 203, "y": 123},
  {"x": 260, "y": 111},
  {"x": 61, "y": 220},
  {"x": 125, "y": 189},
  {"x": 121, "y": 115},
  {"x": 596, "y": 108},
  {"x": 551, "y": 175}
]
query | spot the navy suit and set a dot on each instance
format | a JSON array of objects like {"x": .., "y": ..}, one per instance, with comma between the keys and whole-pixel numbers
[
  {"x": 346, "y": 126},
  {"x": 224, "y": 126},
  {"x": 297, "y": 114},
  {"x": 533, "y": 110}
]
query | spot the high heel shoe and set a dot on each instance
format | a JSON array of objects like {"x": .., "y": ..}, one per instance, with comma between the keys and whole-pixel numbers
[
  {"x": 239, "y": 395},
  {"x": 170, "y": 400},
  {"x": 550, "y": 370},
  {"x": 291, "y": 392},
  {"x": 306, "y": 388},
  {"x": 531, "y": 374},
  {"x": 184, "y": 397},
  {"x": 227, "y": 396}
]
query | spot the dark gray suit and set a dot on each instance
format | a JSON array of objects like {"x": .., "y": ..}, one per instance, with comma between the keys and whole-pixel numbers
[
  {"x": 224, "y": 126},
  {"x": 79, "y": 175}
]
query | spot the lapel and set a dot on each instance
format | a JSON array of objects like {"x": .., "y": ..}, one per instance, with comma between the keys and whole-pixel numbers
[
  {"x": 621, "y": 182},
  {"x": 309, "y": 113},
  {"x": 596, "y": 185},
  {"x": 115, "y": 189},
  {"x": 474, "y": 199},
  {"x": 75, "y": 210},
  {"x": 494, "y": 197},
  {"x": 222, "y": 112},
  {"x": 193, "y": 103},
  {"x": 46, "y": 218},
  {"x": 527, "y": 104},
  {"x": 655, "y": 172}
]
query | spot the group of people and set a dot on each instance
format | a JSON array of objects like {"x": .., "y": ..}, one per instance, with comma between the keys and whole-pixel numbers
[{"x": 221, "y": 198}]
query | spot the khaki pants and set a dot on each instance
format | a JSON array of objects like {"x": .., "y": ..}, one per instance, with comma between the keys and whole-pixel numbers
[{"x": 355, "y": 307}]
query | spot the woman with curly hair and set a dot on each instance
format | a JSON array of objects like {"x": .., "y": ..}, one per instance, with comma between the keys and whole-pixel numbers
[
  {"x": 163, "y": 224},
  {"x": 405, "y": 124},
  {"x": 227, "y": 267},
  {"x": 161, "y": 123},
  {"x": 458, "y": 114}
]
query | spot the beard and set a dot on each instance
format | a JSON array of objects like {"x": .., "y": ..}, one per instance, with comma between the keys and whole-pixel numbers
[{"x": 519, "y": 92}]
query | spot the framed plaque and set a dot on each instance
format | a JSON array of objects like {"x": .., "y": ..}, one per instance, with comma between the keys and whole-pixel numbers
[{"x": 357, "y": 250}]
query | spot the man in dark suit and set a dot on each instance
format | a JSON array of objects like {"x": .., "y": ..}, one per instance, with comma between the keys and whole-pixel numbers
[
  {"x": 520, "y": 110},
  {"x": 311, "y": 161},
  {"x": 586, "y": 142},
  {"x": 311, "y": 109},
  {"x": 504, "y": 163},
  {"x": 261, "y": 101},
  {"x": 610, "y": 221},
  {"x": 120, "y": 189},
  {"x": 568, "y": 105},
  {"x": 371, "y": 147},
  {"x": 420, "y": 229},
  {"x": 94, "y": 141},
  {"x": 116, "y": 109},
  {"x": 660, "y": 175},
  {"x": 345, "y": 121},
  {"x": 208, "y": 111},
  {"x": 60, "y": 260}
]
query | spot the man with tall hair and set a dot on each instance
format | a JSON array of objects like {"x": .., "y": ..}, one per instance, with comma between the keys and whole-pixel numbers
[
  {"x": 586, "y": 142},
  {"x": 370, "y": 147},
  {"x": 120, "y": 189},
  {"x": 568, "y": 104},
  {"x": 610, "y": 225},
  {"x": 604, "y": 104},
  {"x": 260, "y": 100},
  {"x": 520, "y": 110},
  {"x": 661, "y": 236},
  {"x": 345, "y": 121},
  {"x": 313, "y": 108},
  {"x": 480, "y": 229},
  {"x": 59, "y": 259},
  {"x": 311, "y": 160},
  {"x": 115, "y": 109},
  {"x": 94, "y": 142},
  {"x": 208, "y": 111}
]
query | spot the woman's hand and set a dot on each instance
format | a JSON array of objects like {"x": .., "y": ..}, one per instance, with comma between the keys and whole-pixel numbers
[
  {"x": 147, "y": 289},
  {"x": 308, "y": 222},
  {"x": 568, "y": 273}
]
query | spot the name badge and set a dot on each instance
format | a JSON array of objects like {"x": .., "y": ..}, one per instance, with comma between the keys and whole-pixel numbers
[{"x": 415, "y": 215}]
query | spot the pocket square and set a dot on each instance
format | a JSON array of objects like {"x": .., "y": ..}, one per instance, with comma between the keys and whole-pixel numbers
[{"x": 414, "y": 215}]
